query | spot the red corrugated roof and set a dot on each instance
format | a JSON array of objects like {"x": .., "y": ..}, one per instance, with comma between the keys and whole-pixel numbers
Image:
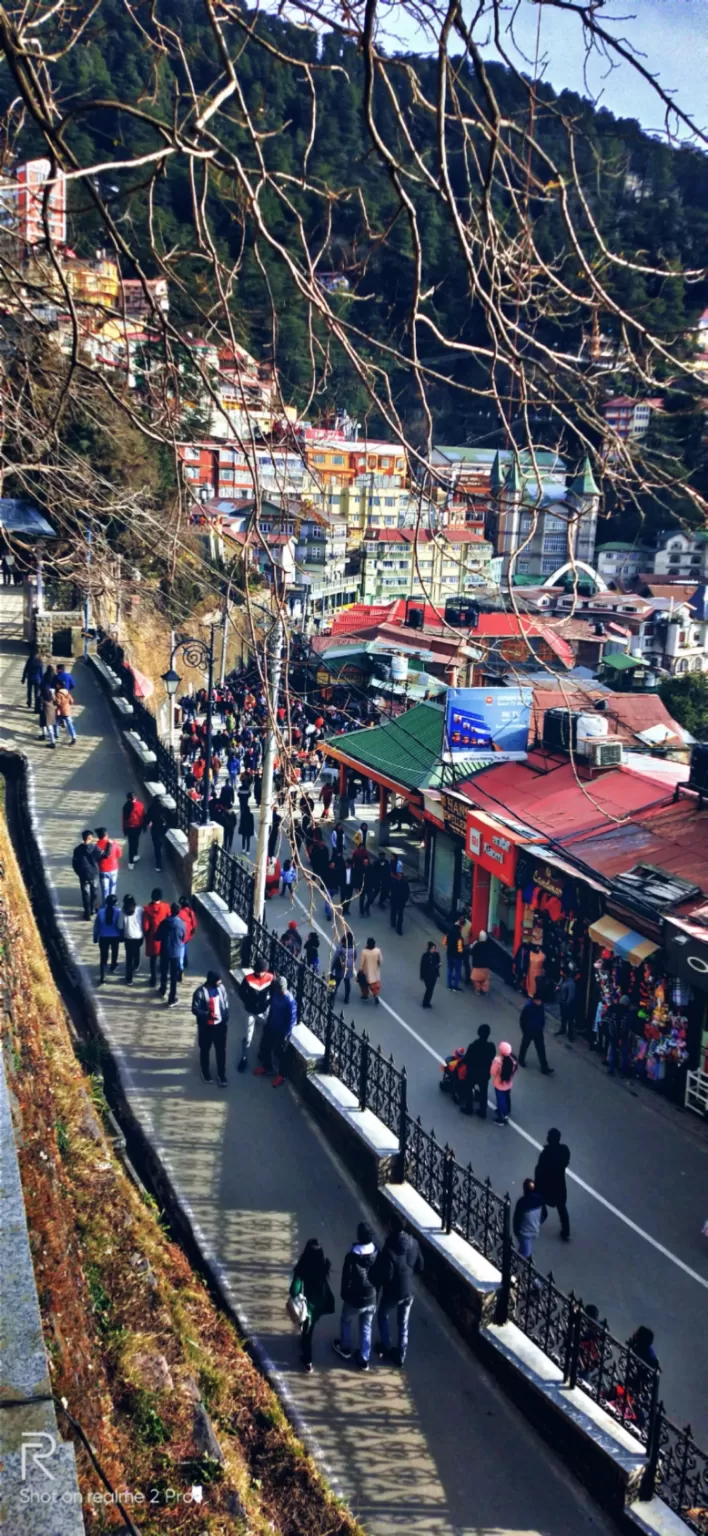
[
  {"x": 674, "y": 839},
  {"x": 626, "y": 713},
  {"x": 555, "y": 803}
]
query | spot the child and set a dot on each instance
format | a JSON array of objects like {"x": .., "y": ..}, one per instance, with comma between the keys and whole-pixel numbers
[
  {"x": 289, "y": 879},
  {"x": 312, "y": 945}
]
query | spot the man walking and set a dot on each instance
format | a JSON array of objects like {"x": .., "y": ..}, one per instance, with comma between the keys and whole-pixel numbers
[
  {"x": 533, "y": 1022},
  {"x": 429, "y": 972},
  {"x": 281, "y": 1021},
  {"x": 159, "y": 822},
  {"x": 477, "y": 1061},
  {"x": 109, "y": 854},
  {"x": 171, "y": 935},
  {"x": 133, "y": 822},
  {"x": 84, "y": 862},
  {"x": 529, "y": 1213},
  {"x": 549, "y": 1178},
  {"x": 210, "y": 1006},
  {"x": 565, "y": 997},
  {"x": 399, "y": 1260},
  {"x": 32, "y": 674},
  {"x": 455, "y": 946},
  {"x": 399, "y": 893},
  {"x": 358, "y": 1294}
]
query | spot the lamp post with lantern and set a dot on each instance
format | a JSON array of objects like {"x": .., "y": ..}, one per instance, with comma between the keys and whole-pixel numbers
[{"x": 196, "y": 654}]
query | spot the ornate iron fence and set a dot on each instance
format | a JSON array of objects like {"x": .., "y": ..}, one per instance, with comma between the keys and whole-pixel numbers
[
  {"x": 678, "y": 1473},
  {"x": 233, "y": 882},
  {"x": 542, "y": 1312},
  {"x": 477, "y": 1213},
  {"x": 427, "y": 1166}
]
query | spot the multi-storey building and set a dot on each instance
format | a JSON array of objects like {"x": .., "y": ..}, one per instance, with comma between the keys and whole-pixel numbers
[
  {"x": 22, "y": 201},
  {"x": 629, "y": 419},
  {"x": 398, "y": 562},
  {"x": 620, "y": 564},
  {"x": 682, "y": 556},
  {"x": 338, "y": 458},
  {"x": 539, "y": 521}
]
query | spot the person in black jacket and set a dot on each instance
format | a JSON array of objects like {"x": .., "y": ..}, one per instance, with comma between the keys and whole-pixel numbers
[
  {"x": 159, "y": 821},
  {"x": 478, "y": 1060},
  {"x": 549, "y": 1178},
  {"x": 358, "y": 1297},
  {"x": 84, "y": 862},
  {"x": 429, "y": 972},
  {"x": 399, "y": 1260},
  {"x": 384, "y": 871},
  {"x": 399, "y": 891}
]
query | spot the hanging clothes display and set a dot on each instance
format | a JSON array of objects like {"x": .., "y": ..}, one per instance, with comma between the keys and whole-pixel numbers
[{"x": 653, "y": 1007}]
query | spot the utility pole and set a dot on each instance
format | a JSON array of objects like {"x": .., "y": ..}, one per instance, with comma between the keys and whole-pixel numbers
[
  {"x": 275, "y": 647},
  {"x": 87, "y": 603}
]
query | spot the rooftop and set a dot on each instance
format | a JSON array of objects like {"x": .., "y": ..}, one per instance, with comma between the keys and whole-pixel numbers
[
  {"x": 406, "y": 751},
  {"x": 20, "y": 518},
  {"x": 547, "y": 795},
  {"x": 674, "y": 839}
]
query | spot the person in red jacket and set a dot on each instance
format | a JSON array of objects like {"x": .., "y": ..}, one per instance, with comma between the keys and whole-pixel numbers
[
  {"x": 133, "y": 819},
  {"x": 109, "y": 856},
  {"x": 186, "y": 912},
  {"x": 153, "y": 914}
]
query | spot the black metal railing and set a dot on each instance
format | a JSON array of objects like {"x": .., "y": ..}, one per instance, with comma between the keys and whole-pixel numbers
[
  {"x": 477, "y": 1213},
  {"x": 145, "y": 724}
]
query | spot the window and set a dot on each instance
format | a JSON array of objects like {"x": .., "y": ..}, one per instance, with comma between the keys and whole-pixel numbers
[
  {"x": 385, "y": 463},
  {"x": 192, "y": 473},
  {"x": 555, "y": 543},
  {"x": 390, "y": 522},
  {"x": 548, "y": 565},
  {"x": 337, "y": 458},
  {"x": 376, "y": 501},
  {"x": 318, "y": 458},
  {"x": 525, "y": 523},
  {"x": 390, "y": 501},
  {"x": 682, "y": 666}
]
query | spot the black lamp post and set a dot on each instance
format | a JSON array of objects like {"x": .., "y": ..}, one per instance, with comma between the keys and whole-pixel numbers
[{"x": 197, "y": 654}]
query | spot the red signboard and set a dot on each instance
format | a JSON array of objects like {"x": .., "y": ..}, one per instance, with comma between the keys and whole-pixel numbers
[{"x": 492, "y": 846}]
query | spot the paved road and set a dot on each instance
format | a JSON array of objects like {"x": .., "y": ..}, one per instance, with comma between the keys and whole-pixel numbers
[
  {"x": 639, "y": 1187},
  {"x": 436, "y": 1451}
]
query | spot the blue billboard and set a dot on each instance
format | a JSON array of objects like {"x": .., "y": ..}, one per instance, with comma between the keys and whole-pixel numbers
[{"x": 488, "y": 719}]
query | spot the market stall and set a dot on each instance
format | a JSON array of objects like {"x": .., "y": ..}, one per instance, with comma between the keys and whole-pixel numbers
[
  {"x": 642, "y": 1010},
  {"x": 557, "y": 904}
]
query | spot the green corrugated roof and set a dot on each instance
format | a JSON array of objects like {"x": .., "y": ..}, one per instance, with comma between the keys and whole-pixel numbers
[
  {"x": 621, "y": 662},
  {"x": 408, "y": 750},
  {"x": 624, "y": 548}
]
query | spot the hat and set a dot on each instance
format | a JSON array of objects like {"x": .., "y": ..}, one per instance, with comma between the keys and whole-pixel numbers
[
  {"x": 292, "y": 923},
  {"x": 504, "y": 1048},
  {"x": 283, "y": 982}
]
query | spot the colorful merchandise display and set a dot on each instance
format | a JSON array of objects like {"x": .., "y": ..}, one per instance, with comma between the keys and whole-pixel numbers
[{"x": 644, "y": 1013}]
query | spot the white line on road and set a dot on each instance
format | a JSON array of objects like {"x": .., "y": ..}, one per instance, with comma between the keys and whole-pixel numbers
[{"x": 594, "y": 1193}]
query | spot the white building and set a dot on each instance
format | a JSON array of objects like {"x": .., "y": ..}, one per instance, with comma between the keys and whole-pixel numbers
[
  {"x": 620, "y": 564},
  {"x": 683, "y": 556}
]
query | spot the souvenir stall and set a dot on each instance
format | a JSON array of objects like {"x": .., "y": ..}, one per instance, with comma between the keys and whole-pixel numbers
[
  {"x": 490, "y": 856},
  {"x": 640, "y": 1007},
  {"x": 686, "y": 949},
  {"x": 557, "y": 904}
]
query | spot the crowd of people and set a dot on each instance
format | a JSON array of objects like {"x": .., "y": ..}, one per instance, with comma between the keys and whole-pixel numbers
[
  {"x": 50, "y": 695},
  {"x": 376, "y": 1282}
]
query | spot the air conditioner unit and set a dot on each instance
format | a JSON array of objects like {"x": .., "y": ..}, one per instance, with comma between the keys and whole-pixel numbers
[{"x": 599, "y": 752}]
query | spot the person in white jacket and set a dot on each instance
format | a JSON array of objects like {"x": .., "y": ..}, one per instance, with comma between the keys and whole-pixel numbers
[{"x": 131, "y": 927}]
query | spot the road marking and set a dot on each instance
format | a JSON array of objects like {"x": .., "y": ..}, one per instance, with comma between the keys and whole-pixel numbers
[{"x": 514, "y": 1126}]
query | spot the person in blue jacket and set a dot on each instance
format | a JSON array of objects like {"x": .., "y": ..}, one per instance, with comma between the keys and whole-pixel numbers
[
  {"x": 172, "y": 935},
  {"x": 107, "y": 935},
  {"x": 281, "y": 1021}
]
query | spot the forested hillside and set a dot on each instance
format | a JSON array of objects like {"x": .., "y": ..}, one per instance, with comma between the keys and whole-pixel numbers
[{"x": 648, "y": 200}]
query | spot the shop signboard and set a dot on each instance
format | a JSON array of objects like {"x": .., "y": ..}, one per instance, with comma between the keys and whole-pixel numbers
[
  {"x": 491, "y": 846},
  {"x": 478, "y": 719},
  {"x": 687, "y": 956},
  {"x": 455, "y": 815}
]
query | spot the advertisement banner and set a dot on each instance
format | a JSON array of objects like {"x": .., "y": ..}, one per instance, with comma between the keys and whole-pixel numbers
[{"x": 480, "y": 719}]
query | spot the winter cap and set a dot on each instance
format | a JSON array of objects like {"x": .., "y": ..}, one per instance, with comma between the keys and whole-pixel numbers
[
  {"x": 283, "y": 982},
  {"x": 504, "y": 1048},
  {"x": 292, "y": 923},
  {"x": 482, "y": 934}
]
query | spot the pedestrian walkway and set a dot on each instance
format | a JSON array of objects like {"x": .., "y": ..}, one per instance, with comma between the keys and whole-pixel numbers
[{"x": 434, "y": 1451}]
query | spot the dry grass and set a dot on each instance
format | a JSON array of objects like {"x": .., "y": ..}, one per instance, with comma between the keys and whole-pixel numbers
[{"x": 133, "y": 1337}]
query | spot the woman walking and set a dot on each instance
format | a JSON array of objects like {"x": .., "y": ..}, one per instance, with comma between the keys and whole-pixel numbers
[
  {"x": 48, "y": 712},
  {"x": 481, "y": 957},
  {"x": 502, "y": 1075},
  {"x": 369, "y": 972},
  {"x": 246, "y": 826},
  {"x": 131, "y": 924},
  {"x": 343, "y": 965},
  {"x": 310, "y": 1279},
  {"x": 63, "y": 702},
  {"x": 107, "y": 935}
]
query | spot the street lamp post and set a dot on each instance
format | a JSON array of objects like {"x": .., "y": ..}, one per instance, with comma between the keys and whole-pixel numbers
[{"x": 197, "y": 654}]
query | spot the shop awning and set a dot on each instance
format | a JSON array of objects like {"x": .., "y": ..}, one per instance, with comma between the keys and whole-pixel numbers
[{"x": 623, "y": 941}]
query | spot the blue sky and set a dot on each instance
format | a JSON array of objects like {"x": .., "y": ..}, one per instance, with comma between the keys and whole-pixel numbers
[{"x": 671, "y": 36}]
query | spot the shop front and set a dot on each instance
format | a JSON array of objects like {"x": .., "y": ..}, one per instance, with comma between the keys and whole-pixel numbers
[
  {"x": 495, "y": 906},
  {"x": 450, "y": 870},
  {"x": 646, "y": 1019},
  {"x": 558, "y": 904},
  {"x": 686, "y": 950}
]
